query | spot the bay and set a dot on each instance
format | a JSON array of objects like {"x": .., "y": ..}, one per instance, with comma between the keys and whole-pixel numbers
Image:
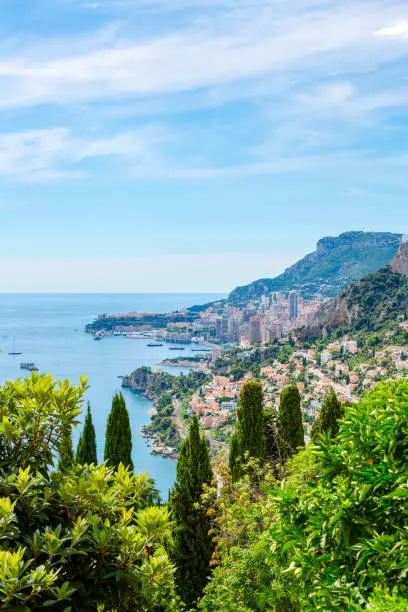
[{"x": 48, "y": 329}]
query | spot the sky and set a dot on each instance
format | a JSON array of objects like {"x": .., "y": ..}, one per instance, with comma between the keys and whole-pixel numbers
[{"x": 194, "y": 145}]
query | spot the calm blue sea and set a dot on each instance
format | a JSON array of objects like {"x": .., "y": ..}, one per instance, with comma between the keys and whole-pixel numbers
[{"x": 49, "y": 330}]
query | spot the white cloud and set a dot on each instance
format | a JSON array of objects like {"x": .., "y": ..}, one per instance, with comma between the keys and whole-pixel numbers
[
  {"x": 398, "y": 30},
  {"x": 38, "y": 154},
  {"x": 330, "y": 95},
  {"x": 242, "y": 43}
]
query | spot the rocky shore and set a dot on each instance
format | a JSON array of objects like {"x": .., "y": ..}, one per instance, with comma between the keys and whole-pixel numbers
[{"x": 158, "y": 448}]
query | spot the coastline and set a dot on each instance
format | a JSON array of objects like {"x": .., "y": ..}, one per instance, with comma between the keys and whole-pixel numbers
[{"x": 153, "y": 441}]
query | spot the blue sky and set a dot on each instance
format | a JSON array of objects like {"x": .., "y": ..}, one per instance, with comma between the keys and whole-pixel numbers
[{"x": 187, "y": 145}]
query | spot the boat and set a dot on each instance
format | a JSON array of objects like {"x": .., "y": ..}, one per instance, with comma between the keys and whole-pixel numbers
[
  {"x": 29, "y": 365},
  {"x": 177, "y": 348},
  {"x": 14, "y": 352},
  {"x": 203, "y": 350},
  {"x": 99, "y": 335},
  {"x": 153, "y": 344}
]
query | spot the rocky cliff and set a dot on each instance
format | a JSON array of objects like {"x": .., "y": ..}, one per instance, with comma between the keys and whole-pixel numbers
[
  {"x": 377, "y": 302},
  {"x": 400, "y": 262}
]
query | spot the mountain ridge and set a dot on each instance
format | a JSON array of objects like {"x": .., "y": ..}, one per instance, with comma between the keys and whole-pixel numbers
[{"x": 336, "y": 262}]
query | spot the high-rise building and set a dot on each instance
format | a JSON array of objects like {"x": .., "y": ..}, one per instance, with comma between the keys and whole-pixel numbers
[
  {"x": 255, "y": 330},
  {"x": 293, "y": 304},
  {"x": 223, "y": 328}
]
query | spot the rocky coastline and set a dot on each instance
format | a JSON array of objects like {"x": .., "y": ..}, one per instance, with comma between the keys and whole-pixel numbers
[{"x": 158, "y": 448}]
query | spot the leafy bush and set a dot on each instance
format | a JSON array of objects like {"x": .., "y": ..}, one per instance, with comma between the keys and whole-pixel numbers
[{"x": 79, "y": 539}]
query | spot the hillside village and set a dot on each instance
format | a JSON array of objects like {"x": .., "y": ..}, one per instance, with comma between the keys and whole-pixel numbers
[{"x": 342, "y": 365}]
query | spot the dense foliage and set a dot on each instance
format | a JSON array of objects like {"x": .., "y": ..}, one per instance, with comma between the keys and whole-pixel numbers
[
  {"x": 191, "y": 551},
  {"x": 162, "y": 423},
  {"x": 333, "y": 535},
  {"x": 118, "y": 439},
  {"x": 328, "y": 419},
  {"x": 78, "y": 539}
]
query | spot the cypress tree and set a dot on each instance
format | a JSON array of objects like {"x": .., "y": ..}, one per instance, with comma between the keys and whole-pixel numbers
[
  {"x": 250, "y": 434},
  {"x": 270, "y": 434},
  {"x": 118, "y": 439},
  {"x": 332, "y": 410},
  {"x": 290, "y": 423},
  {"x": 192, "y": 549},
  {"x": 234, "y": 457},
  {"x": 86, "y": 450},
  {"x": 66, "y": 453}
]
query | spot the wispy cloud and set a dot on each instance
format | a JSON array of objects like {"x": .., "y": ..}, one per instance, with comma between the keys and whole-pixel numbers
[
  {"x": 398, "y": 30},
  {"x": 43, "y": 154},
  {"x": 243, "y": 44},
  {"x": 296, "y": 73}
]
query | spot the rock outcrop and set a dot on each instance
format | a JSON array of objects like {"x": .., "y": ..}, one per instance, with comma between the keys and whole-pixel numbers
[
  {"x": 377, "y": 301},
  {"x": 400, "y": 262},
  {"x": 336, "y": 312}
]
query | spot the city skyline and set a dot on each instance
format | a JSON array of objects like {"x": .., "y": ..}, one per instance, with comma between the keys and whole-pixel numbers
[{"x": 194, "y": 145}]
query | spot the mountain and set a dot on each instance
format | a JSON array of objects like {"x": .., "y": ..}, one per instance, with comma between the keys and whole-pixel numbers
[
  {"x": 336, "y": 262},
  {"x": 376, "y": 303}
]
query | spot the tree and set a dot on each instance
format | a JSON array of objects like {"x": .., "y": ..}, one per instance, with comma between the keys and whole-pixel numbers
[
  {"x": 86, "y": 451},
  {"x": 81, "y": 539},
  {"x": 332, "y": 410},
  {"x": 271, "y": 452},
  {"x": 234, "y": 457},
  {"x": 192, "y": 548},
  {"x": 249, "y": 435},
  {"x": 290, "y": 424},
  {"x": 66, "y": 453},
  {"x": 118, "y": 440}
]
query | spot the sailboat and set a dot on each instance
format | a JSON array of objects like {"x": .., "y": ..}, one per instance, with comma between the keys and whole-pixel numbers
[{"x": 14, "y": 352}]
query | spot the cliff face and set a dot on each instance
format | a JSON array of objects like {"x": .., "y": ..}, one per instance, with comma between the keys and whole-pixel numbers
[
  {"x": 370, "y": 304},
  {"x": 333, "y": 313},
  {"x": 400, "y": 261},
  {"x": 336, "y": 262}
]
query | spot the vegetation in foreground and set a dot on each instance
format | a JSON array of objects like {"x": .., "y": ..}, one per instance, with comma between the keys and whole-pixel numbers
[
  {"x": 75, "y": 539},
  {"x": 320, "y": 528},
  {"x": 332, "y": 533}
]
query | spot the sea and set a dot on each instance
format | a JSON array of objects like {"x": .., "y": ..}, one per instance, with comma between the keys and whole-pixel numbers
[{"x": 48, "y": 329}]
